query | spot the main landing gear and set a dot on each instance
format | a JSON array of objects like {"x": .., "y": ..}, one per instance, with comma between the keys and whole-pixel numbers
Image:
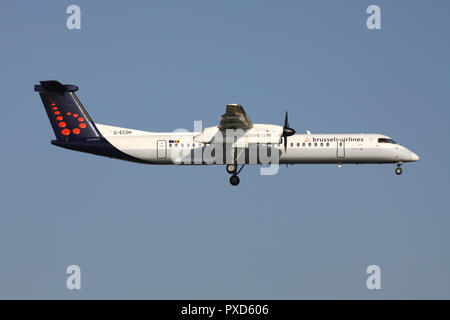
[
  {"x": 232, "y": 169},
  {"x": 399, "y": 170},
  {"x": 234, "y": 180}
]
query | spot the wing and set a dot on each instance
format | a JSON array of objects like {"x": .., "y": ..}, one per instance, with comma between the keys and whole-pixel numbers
[{"x": 235, "y": 118}]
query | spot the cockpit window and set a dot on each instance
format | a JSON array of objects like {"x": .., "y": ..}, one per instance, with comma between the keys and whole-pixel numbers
[{"x": 385, "y": 140}]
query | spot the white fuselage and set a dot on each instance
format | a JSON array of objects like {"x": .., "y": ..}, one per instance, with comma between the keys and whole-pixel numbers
[{"x": 164, "y": 147}]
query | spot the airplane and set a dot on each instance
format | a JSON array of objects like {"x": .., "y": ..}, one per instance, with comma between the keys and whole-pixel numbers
[{"x": 75, "y": 130}]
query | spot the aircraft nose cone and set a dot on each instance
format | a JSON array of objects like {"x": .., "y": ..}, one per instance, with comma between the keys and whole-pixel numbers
[{"x": 414, "y": 157}]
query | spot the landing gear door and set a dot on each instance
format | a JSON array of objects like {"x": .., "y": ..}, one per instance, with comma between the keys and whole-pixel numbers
[
  {"x": 340, "y": 152},
  {"x": 161, "y": 149}
]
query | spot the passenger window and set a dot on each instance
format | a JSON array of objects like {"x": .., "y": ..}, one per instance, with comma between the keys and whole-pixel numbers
[
  {"x": 193, "y": 145},
  {"x": 170, "y": 145},
  {"x": 309, "y": 144},
  {"x": 298, "y": 144},
  {"x": 304, "y": 144},
  {"x": 292, "y": 144},
  {"x": 176, "y": 145},
  {"x": 321, "y": 144},
  {"x": 340, "y": 144},
  {"x": 328, "y": 144}
]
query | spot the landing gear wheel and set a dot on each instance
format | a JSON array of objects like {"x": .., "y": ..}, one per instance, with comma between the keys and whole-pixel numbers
[
  {"x": 234, "y": 180},
  {"x": 231, "y": 168},
  {"x": 398, "y": 171}
]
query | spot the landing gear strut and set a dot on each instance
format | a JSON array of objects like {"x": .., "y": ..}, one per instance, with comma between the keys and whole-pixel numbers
[
  {"x": 398, "y": 170},
  {"x": 232, "y": 169}
]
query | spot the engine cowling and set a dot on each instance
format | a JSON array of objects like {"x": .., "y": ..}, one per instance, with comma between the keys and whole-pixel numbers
[{"x": 259, "y": 134}]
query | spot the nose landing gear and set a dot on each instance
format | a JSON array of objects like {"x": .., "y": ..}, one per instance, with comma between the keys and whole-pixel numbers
[
  {"x": 232, "y": 169},
  {"x": 399, "y": 170}
]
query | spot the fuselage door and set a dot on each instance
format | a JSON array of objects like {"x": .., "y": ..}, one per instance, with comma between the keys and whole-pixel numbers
[
  {"x": 161, "y": 149},
  {"x": 340, "y": 152}
]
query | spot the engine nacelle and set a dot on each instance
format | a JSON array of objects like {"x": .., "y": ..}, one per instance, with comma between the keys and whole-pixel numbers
[{"x": 259, "y": 134}]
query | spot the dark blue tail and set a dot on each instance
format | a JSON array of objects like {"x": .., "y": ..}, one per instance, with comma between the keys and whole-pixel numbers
[
  {"x": 73, "y": 127},
  {"x": 69, "y": 119}
]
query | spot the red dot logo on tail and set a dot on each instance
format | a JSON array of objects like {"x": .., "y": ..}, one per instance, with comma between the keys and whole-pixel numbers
[{"x": 65, "y": 132}]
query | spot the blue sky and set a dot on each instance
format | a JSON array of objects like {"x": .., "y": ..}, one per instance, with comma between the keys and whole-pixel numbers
[{"x": 162, "y": 232}]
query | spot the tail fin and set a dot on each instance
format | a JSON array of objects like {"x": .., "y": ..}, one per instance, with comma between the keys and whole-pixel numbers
[{"x": 67, "y": 115}]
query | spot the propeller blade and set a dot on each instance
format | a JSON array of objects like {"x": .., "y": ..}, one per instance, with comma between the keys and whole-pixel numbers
[
  {"x": 286, "y": 121},
  {"x": 286, "y": 130}
]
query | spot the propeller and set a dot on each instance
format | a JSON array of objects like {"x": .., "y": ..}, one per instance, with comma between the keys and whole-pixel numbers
[{"x": 286, "y": 131}]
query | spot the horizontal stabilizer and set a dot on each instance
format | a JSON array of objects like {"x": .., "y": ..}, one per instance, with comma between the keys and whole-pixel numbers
[{"x": 54, "y": 86}]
